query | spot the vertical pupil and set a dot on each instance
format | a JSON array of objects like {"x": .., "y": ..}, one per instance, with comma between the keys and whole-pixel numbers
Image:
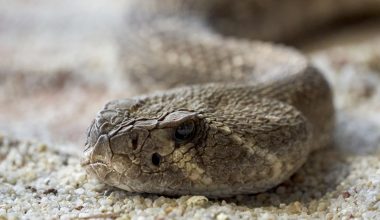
[{"x": 184, "y": 131}]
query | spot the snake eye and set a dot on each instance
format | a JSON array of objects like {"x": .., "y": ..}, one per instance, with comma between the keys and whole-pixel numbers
[
  {"x": 156, "y": 159},
  {"x": 185, "y": 131}
]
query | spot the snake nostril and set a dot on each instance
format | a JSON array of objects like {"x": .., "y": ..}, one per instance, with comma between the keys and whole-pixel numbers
[{"x": 134, "y": 143}]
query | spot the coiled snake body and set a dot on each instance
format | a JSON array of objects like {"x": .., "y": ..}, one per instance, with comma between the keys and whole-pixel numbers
[{"x": 251, "y": 117}]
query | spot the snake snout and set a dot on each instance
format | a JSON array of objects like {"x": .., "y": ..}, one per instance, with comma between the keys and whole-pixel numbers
[
  {"x": 128, "y": 140},
  {"x": 100, "y": 152},
  {"x": 97, "y": 156}
]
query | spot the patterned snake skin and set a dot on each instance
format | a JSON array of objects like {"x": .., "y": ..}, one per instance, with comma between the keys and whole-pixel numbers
[{"x": 244, "y": 115}]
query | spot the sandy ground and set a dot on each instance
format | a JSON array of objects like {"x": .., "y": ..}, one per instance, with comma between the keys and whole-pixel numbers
[{"x": 59, "y": 65}]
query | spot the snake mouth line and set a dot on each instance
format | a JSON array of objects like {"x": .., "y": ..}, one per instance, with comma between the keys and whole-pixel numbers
[{"x": 85, "y": 162}]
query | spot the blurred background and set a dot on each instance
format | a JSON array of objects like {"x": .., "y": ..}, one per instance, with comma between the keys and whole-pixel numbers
[{"x": 59, "y": 64}]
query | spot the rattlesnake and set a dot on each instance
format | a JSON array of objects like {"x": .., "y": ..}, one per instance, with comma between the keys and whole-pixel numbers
[{"x": 253, "y": 112}]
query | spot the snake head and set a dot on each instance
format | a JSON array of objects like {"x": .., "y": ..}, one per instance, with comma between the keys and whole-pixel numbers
[
  {"x": 193, "y": 143},
  {"x": 143, "y": 154}
]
